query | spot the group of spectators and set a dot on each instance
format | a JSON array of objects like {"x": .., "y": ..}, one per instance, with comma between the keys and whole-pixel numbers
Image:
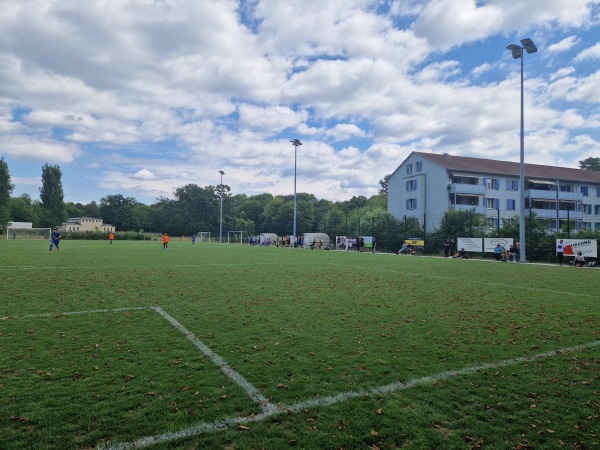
[
  {"x": 503, "y": 255},
  {"x": 347, "y": 244}
]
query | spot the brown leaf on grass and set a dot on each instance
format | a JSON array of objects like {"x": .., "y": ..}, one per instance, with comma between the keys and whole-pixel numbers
[
  {"x": 445, "y": 431},
  {"x": 223, "y": 397},
  {"x": 20, "y": 419},
  {"x": 478, "y": 445},
  {"x": 244, "y": 427},
  {"x": 374, "y": 433},
  {"x": 379, "y": 411}
]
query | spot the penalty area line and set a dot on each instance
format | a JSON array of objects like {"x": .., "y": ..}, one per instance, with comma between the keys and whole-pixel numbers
[
  {"x": 75, "y": 313},
  {"x": 208, "y": 427},
  {"x": 235, "y": 376}
]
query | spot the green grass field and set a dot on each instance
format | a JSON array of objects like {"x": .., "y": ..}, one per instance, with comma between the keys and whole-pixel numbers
[{"x": 238, "y": 347}]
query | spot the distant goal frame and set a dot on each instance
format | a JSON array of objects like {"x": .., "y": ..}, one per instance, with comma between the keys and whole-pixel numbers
[
  {"x": 203, "y": 236},
  {"x": 237, "y": 233},
  {"x": 29, "y": 234}
]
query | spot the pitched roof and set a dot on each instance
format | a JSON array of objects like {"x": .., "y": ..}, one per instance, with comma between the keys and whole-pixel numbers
[{"x": 494, "y": 167}]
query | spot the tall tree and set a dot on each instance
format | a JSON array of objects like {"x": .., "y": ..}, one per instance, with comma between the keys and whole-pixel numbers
[
  {"x": 52, "y": 196},
  {"x": 6, "y": 187},
  {"x": 384, "y": 184},
  {"x": 110, "y": 205},
  {"x": 21, "y": 209},
  {"x": 200, "y": 207},
  {"x": 92, "y": 210},
  {"x": 590, "y": 164}
]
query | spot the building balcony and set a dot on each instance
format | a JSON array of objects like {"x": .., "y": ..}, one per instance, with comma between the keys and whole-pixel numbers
[
  {"x": 474, "y": 189},
  {"x": 562, "y": 214},
  {"x": 475, "y": 208},
  {"x": 541, "y": 194}
]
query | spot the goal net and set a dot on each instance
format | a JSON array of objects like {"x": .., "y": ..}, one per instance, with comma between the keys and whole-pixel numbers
[
  {"x": 203, "y": 236},
  {"x": 28, "y": 233},
  {"x": 237, "y": 237}
]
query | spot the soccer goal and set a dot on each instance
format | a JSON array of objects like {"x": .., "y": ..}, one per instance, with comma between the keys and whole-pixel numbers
[
  {"x": 203, "y": 236},
  {"x": 28, "y": 233},
  {"x": 237, "y": 237}
]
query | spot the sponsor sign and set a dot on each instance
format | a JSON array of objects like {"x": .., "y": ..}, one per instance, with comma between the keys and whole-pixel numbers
[
  {"x": 587, "y": 247},
  {"x": 489, "y": 244},
  {"x": 469, "y": 244}
]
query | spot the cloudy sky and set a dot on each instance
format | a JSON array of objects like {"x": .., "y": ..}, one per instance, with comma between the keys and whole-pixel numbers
[{"x": 139, "y": 97}]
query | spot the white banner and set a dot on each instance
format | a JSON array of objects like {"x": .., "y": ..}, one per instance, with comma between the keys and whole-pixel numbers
[
  {"x": 489, "y": 244},
  {"x": 469, "y": 244},
  {"x": 587, "y": 247}
]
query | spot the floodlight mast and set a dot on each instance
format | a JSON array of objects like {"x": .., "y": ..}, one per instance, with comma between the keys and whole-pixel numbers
[
  {"x": 517, "y": 53},
  {"x": 295, "y": 143},
  {"x": 221, "y": 216}
]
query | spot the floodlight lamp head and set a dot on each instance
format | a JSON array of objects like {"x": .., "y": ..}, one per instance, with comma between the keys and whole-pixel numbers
[
  {"x": 221, "y": 172},
  {"x": 296, "y": 142},
  {"x": 517, "y": 52},
  {"x": 528, "y": 45}
]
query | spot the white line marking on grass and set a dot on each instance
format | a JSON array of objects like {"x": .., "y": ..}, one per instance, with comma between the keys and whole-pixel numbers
[
  {"x": 220, "y": 362},
  {"x": 73, "y": 313},
  {"x": 207, "y": 427},
  {"x": 394, "y": 387}
]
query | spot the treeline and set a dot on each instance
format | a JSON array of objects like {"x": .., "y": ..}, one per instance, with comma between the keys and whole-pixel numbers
[{"x": 194, "y": 209}]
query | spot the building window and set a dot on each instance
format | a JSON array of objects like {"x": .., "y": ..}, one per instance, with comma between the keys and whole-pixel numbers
[
  {"x": 597, "y": 210},
  {"x": 511, "y": 204},
  {"x": 586, "y": 209},
  {"x": 419, "y": 166},
  {"x": 584, "y": 190},
  {"x": 565, "y": 188},
  {"x": 493, "y": 183},
  {"x": 492, "y": 203},
  {"x": 512, "y": 185},
  {"x": 598, "y": 192},
  {"x": 411, "y": 185},
  {"x": 411, "y": 203},
  {"x": 409, "y": 168}
]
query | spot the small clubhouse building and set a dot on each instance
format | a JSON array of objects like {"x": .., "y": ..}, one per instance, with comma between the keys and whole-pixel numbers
[{"x": 86, "y": 225}]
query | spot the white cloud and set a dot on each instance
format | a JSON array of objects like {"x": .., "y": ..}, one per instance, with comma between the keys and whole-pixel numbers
[
  {"x": 562, "y": 46},
  {"x": 592, "y": 53},
  {"x": 147, "y": 96},
  {"x": 143, "y": 174}
]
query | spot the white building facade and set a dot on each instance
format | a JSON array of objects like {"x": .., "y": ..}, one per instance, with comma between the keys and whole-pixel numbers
[{"x": 426, "y": 185}]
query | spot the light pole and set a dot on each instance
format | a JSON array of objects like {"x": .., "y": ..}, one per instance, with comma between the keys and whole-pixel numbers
[
  {"x": 517, "y": 53},
  {"x": 295, "y": 143},
  {"x": 221, "y": 217}
]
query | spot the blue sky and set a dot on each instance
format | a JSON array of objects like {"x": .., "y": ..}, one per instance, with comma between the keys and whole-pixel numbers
[{"x": 139, "y": 97}]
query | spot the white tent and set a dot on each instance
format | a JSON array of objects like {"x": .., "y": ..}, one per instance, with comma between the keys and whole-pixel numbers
[
  {"x": 317, "y": 240},
  {"x": 271, "y": 238}
]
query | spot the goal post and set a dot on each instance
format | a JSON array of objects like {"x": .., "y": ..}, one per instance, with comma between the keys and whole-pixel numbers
[
  {"x": 237, "y": 237},
  {"x": 203, "y": 236},
  {"x": 28, "y": 234}
]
